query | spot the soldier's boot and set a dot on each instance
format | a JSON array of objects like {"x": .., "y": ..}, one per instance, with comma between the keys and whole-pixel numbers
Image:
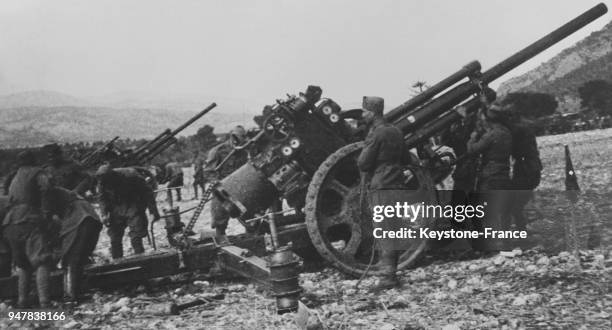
[
  {"x": 71, "y": 284},
  {"x": 388, "y": 264},
  {"x": 116, "y": 249},
  {"x": 221, "y": 238},
  {"x": 137, "y": 245},
  {"x": 23, "y": 287},
  {"x": 43, "y": 287}
]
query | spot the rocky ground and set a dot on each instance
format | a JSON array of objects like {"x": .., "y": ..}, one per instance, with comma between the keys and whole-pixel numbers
[{"x": 538, "y": 286}]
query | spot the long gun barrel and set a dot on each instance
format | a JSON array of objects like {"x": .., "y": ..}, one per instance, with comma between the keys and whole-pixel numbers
[
  {"x": 545, "y": 42},
  {"x": 91, "y": 157},
  {"x": 145, "y": 146},
  {"x": 468, "y": 70},
  {"x": 165, "y": 140},
  {"x": 149, "y": 156},
  {"x": 442, "y": 123},
  {"x": 410, "y": 120}
]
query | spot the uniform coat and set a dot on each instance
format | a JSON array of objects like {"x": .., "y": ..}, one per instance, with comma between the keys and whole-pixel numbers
[
  {"x": 381, "y": 160},
  {"x": 174, "y": 175},
  {"x": 70, "y": 175},
  {"x": 494, "y": 146},
  {"x": 26, "y": 224},
  {"x": 74, "y": 213},
  {"x": 217, "y": 154},
  {"x": 125, "y": 196},
  {"x": 382, "y": 155}
]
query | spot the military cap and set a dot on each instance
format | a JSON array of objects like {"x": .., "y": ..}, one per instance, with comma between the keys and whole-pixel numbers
[{"x": 374, "y": 104}]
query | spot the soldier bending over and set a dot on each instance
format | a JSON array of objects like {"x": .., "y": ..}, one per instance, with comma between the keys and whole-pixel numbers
[
  {"x": 125, "y": 196},
  {"x": 216, "y": 156}
]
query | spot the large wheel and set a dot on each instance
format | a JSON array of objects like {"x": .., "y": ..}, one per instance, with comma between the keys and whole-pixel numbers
[{"x": 338, "y": 219}]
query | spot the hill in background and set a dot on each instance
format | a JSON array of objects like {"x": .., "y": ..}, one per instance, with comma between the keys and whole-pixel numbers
[
  {"x": 589, "y": 59},
  {"x": 39, "y": 117}
]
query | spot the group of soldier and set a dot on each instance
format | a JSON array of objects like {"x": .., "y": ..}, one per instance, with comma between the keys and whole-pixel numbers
[
  {"x": 47, "y": 217},
  {"x": 487, "y": 145}
]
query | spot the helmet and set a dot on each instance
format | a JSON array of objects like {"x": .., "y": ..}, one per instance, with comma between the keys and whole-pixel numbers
[
  {"x": 373, "y": 104},
  {"x": 238, "y": 135}
]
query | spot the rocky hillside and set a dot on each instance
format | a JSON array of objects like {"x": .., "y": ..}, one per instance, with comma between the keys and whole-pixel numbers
[
  {"x": 35, "y": 125},
  {"x": 37, "y": 117},
  {"x": 589, "y": 59}
]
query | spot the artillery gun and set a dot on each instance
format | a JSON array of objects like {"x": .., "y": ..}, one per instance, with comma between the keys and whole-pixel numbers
[
  {"x": 309, "y": 159},
  {"x": 307, "y": 156},
  {"x": 142, "y": 155},
  {"x": 140, "y": 158}
]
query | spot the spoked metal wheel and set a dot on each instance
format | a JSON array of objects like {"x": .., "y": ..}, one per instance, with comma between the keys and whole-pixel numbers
[{"x": 338, "y": 218}]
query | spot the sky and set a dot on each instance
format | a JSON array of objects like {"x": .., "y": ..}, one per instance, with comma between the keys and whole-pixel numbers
[{"x": 257, "y": 51}]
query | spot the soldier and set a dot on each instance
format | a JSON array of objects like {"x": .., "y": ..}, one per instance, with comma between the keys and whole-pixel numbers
[
  {"x": 65, "y": 172},
  {"x": 526, "y": 170},
  {"x": 198, "y": 177},
  {"x": 491, "y": 141},
  {"x": 174, "y": 177},
  {"x": 381, "y": 161},
  {"x": 456, "y": 137},
  {"x": 125, "y": 196},
  {"x": 228, "y": 160},
  {"x": 464, "y": 175},
  {"x": 79, "y": 231},
  {"x": 26, "y": 228}
]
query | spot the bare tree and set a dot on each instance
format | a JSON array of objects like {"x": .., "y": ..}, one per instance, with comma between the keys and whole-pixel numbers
[{"x": 419, "y": 86}]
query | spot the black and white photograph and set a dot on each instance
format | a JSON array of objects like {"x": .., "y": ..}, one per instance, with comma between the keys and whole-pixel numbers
[{"x": 306, "y": 164}]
